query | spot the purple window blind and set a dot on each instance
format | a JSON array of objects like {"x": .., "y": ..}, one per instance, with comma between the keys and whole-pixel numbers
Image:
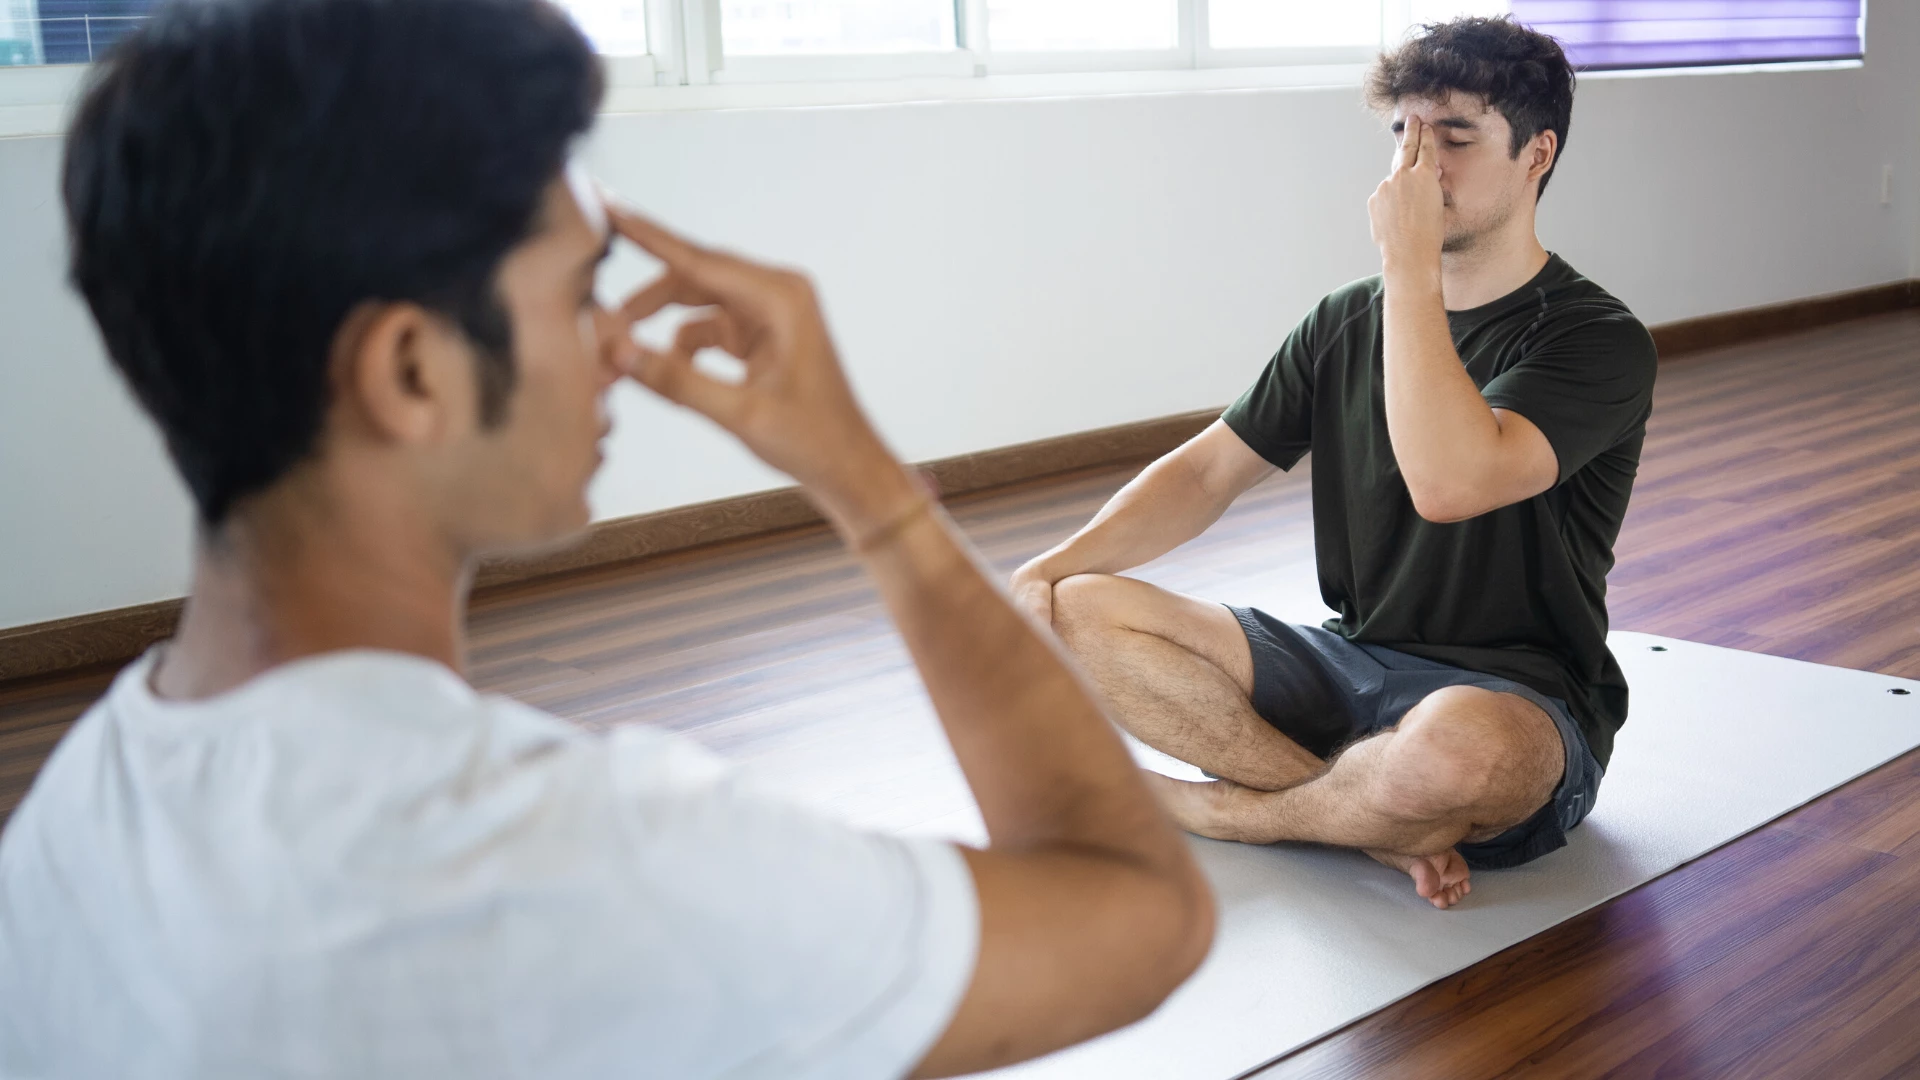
[{"x": 1601, "y": 34}]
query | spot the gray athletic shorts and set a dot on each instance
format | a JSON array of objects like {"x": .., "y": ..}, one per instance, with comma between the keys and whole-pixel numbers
[{"x": 1323, "y": 692}]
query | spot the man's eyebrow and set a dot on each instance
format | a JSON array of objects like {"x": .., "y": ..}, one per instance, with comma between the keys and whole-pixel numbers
[{"x": 1458, "y": 123}]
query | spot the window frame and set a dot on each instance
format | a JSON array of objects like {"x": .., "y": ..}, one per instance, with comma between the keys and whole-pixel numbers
[
  {"x": 1076, "y": 61},
  {"x": 687, "y": 69},
  {"x": 976, "y": 57},
  {"x": 1395, "y": 19}
]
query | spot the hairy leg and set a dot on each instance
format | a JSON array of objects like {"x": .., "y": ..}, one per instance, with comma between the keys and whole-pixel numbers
[
  {"x": 1178, "y": 674},
  {"x": 1464, "y": 764}
]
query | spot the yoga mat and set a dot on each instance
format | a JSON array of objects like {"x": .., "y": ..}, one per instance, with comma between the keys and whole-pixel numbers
[{"x": 1718, "y": 743}]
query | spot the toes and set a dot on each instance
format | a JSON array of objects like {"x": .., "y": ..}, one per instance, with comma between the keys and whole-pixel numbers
[
  {"x": 1425, "y": 881},
  {"x": 1441, "y": 879}
]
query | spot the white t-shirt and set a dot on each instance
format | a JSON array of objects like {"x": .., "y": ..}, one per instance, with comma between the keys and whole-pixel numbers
[{"x": 356, "y": 866}]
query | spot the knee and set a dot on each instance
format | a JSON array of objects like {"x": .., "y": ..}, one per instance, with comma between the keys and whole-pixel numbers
[
  {"x": 1451, "y": 754},
  {"x": 1086, "y": 604}
]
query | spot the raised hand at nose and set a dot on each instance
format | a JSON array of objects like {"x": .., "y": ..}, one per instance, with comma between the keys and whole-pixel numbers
[
  {"x": 1407, "y": 211},
  {"x": 792, "y": 405}
]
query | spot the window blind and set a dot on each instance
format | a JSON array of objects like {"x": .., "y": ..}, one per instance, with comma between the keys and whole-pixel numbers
[{"x": 1603, "y": 34}]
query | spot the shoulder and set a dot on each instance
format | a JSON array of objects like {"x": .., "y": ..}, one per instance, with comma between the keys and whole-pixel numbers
[
  {"x": 1351, "y": 301},
  {"x": 1582, "y": 315},
  {"x": 1333, "y": 318}
]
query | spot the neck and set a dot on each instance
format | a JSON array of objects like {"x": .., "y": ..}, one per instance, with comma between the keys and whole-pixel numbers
[
  {"x": 295, "y": 574},
  {"x": 1493, "y": 266}
]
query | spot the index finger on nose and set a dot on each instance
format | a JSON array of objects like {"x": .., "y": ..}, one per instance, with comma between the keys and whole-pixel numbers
[{"x": 1410, "y": 142}]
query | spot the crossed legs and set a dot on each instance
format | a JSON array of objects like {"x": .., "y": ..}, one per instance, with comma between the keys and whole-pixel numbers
[{"x": 1465, "y": 764}]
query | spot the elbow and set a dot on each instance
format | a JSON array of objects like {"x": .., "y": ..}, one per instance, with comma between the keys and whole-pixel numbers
[
  {"x": 1444, "y": 506},
  {"x": 1202, "y": 918},
  {"x": 1193, "y": 922},
  {"x": 1172, "y": 946}
]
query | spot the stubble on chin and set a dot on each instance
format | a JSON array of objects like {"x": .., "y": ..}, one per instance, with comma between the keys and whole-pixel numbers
[{"x": 1464, "y": 237}]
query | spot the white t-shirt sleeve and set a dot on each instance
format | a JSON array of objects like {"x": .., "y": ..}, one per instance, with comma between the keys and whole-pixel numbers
[{"x": 801, "y": 947}]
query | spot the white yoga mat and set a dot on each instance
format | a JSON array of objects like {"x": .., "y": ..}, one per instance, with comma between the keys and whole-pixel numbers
[{"x": 1718, "y": 743}]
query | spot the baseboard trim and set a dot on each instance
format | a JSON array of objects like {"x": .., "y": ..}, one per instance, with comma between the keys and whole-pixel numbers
[
  {"x": 109, "y": 637},
  {"x": 84, "y": 641},
  {"x": 1749, "y": 324}
]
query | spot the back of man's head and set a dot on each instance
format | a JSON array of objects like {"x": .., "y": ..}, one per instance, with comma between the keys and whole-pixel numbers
[
  {"x": 1522, "y": 74},
  {"x": 242, "y": 173}
]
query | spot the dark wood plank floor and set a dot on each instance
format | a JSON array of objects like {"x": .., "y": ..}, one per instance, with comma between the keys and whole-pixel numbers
[{"x": 1778, "y": 510}]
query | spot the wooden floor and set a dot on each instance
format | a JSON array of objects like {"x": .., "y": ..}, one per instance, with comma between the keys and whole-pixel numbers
[{"x": 1778, "y": 510}]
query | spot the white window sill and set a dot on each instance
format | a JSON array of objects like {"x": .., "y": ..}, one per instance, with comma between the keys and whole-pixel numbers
[
  {"x": 35, "y": 101},
  {"x": 963, "y": 88}
]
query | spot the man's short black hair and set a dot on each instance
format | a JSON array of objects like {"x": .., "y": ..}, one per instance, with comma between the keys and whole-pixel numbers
[
  {"x": 1522, "y": 73},
  {"x": 242, "y": 173}
]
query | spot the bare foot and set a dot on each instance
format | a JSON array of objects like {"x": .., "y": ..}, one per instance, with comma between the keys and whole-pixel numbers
[
  {"x": 1224, "y": 810},
  {"x": 1440, "y": 879}
]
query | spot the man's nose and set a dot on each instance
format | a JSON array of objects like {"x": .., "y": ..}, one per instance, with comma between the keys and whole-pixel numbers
[{"x": 609, "y": 336}]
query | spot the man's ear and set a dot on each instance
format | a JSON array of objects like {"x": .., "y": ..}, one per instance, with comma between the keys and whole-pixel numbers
[
  {"x": 401, "y": 373},
  {"x": 1544, "y": 148}
]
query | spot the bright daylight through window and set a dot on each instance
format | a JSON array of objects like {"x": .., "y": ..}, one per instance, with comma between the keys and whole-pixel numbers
[
  {"x": 1269, "y": 24},
  {"x": 848, "y": 27},
  {"x": 1035, "y": 25},
  {"x": 691, "y": 41},
  {"x": 616, "y": 27}
]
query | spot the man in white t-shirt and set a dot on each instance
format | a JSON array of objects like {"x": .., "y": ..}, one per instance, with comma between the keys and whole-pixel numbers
[{"x": 334, "y": 248}]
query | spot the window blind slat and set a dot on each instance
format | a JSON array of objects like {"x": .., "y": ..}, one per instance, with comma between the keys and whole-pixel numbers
[
  {"x": 1629, "y": 10},
  {"x": 1679, "y": 33},
  {"x": 1697, "y": 30}
]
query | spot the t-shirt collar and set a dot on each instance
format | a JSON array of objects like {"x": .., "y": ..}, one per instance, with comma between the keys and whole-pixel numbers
[{"x": 1554, "y": 268}]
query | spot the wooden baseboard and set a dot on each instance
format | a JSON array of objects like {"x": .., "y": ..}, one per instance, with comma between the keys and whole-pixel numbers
[
  {"x": 1748, "y": 324},
  {"x": 85, "y": 641},
  {"x": 645, "y": 535},
  {"x": 115, "y": 636},
  {"x": 110, "y": 637}
]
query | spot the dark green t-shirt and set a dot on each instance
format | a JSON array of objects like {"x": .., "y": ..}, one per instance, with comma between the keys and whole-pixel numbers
[{"x": 1519, "y": 592}]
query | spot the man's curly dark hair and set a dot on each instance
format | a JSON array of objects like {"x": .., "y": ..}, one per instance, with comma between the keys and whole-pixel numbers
[{"x": 1522, "y": 73}]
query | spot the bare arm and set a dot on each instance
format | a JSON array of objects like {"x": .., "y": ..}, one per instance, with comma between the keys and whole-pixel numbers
[
  {"x": 1091, "y": 907},
  {"x": 1172, "y": 501},
  {"x": 1459, "y": 456}
]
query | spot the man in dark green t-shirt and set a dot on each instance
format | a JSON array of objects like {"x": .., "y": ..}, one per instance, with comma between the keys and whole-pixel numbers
[{"x": 1475, "y": 415}]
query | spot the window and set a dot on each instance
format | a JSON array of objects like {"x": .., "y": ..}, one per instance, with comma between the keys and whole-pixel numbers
[
  {"x": 1421, "y": 12},
  {"x": 65, "y": 31},
  {"x": 1082, "y": 25},
  {"x": 850, "y": 27},
  {"x": 1602, "y": 34},
  {"x": 658, "y": 42},
  {"x": 616, "y": 27},
  {"x": 1268, "y": 24}
]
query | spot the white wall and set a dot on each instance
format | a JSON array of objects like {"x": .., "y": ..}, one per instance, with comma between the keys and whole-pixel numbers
[{"x": 999, "y": 271}]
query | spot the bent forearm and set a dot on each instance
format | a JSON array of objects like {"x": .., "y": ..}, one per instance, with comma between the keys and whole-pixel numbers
[
  {"x": 1041, "y": 758},
  {"x": 1443, "y": 432},
  {"x": 1165, "y": 506},
  {"x": 1092, "y": 908}
]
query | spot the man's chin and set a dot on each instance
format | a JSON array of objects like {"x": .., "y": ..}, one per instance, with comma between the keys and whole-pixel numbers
[{"x": 559, "y": 534}]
